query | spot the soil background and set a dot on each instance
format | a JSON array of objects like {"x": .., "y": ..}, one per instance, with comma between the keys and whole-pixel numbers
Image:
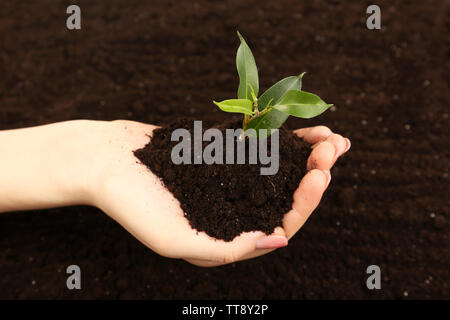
[{"x": 152, "y": 61}]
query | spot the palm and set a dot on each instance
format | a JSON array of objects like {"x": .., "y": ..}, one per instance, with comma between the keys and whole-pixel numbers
[{"x": 138, "y": 200}]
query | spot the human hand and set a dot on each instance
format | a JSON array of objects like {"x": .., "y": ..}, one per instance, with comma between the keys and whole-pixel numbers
[
  {"x": 133, "y": 196},
  {"x": 92, "y": 163}
]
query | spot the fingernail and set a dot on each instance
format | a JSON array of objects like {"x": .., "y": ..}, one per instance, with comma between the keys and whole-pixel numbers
[
  {"x": 328, "y": 177},
  {"x": 349, "y": 144},
  {"x": 271, "y": 242}
]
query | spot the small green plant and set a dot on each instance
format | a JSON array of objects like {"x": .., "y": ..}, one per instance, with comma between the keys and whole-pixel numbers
[{"x": 285, "y": 98}]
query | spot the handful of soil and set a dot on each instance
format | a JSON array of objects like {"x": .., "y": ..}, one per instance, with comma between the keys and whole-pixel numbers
[{"x": 225, "y": 200}]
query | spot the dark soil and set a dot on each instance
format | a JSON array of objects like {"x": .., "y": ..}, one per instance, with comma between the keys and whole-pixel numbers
[
  {"x": 154, "y": 61},
  {"x": 225, "y": 200}
]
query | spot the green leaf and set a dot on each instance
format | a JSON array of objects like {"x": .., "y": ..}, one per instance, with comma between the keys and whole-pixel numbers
[
  {"x": 279, "y": 89},
  {"x": 301, "y": 104},
  {"x": 248, "y": 73},
  {"x": 236, "y": 105},
  {"x": 274, "y": 118}
]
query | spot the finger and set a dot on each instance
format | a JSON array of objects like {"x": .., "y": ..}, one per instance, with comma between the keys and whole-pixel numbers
[
  {"x": 322, "y": 157},
  {"x": 264, "y": 245},
  {"x": 313, "y": 134},
  {"x": 200, "y": 246},
  {"x": 339, "y": 143},
  {"x": 306, "y": 199},
  {"x": 271, "y": 242},
  {"x": 261, "y": 250},
  {"x": 349, "y": 144}
]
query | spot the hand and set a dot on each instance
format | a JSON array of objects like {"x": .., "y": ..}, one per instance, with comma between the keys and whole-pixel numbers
[{"x": 132, "y": 195}]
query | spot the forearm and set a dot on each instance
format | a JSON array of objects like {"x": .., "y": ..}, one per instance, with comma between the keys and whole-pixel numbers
[{"x": 46, "y": 166}]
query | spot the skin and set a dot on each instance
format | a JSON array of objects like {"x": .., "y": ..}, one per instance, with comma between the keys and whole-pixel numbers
[{"x": 84, "y": 162}]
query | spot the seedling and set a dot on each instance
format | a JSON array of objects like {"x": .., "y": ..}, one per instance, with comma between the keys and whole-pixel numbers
[{"x": 285, "y": 98}]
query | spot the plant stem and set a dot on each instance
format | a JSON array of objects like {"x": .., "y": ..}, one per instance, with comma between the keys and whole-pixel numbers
[
  {"x": 257, "y": 114},
  {"x": 246, "y": 121}
]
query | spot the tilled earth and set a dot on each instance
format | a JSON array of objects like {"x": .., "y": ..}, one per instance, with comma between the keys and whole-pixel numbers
[{"x": 154, "y": 61}]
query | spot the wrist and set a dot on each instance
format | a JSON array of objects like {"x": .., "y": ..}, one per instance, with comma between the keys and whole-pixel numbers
[
  {"x": 80, "y": 148},
  {"x": 49, "y": 166}
]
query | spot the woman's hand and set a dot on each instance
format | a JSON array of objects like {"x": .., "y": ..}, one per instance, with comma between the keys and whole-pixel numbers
[
  {"x": 132, "y": 195},
  {"x": 92, "y": 163}
]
